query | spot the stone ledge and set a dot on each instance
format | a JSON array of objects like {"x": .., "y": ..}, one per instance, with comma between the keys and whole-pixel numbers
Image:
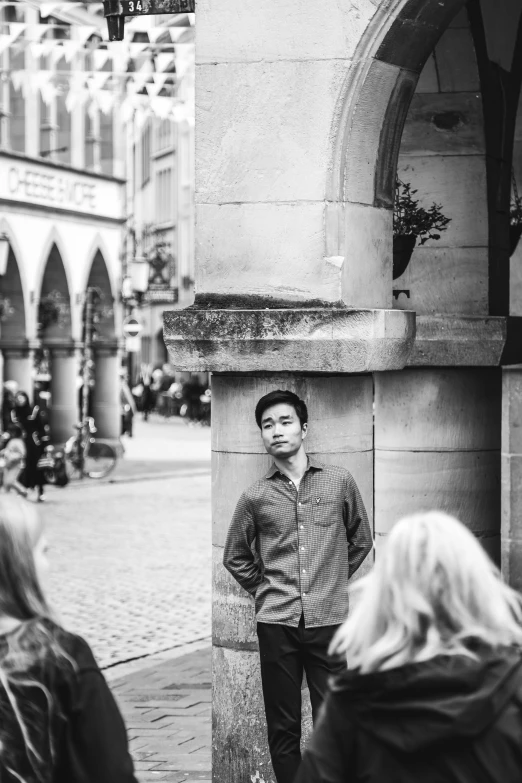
[
  {"x": 459, "y": 341},
  {"x": 294, "y": 340}
]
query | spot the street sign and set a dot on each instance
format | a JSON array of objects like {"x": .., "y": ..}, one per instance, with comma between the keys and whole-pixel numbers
[
  {"x": 132, "y": 344},
  {"x": 116, "y": 10},
  {"x": 132, "y": 327}
]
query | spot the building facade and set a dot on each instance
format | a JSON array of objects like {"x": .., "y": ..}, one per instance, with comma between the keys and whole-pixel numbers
[
  {"x": 62, "y": 216},
  {"x": 160, "y": 194},
  {"x": 91, "y": 177}
]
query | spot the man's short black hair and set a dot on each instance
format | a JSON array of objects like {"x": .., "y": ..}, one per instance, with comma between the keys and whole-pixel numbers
[{"x": 276, "y": 398}]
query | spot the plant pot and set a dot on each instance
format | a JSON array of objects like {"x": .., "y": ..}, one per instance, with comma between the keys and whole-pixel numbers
[
  {"x": 403, "y": 245},
  {"x": 515, "y": 232}
]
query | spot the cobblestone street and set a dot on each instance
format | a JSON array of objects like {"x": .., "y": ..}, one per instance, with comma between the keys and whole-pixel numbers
[{"x": 131, "y": 560}]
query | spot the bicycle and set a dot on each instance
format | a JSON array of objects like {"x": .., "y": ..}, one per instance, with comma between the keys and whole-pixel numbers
[{"x": 87, "y": 457}]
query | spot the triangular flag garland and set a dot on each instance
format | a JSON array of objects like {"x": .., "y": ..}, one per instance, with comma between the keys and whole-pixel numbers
[{"x": 88, "y": 89}]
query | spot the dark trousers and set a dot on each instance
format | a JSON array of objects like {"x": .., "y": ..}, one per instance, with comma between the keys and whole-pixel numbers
[{"x": 285, "y": 652}]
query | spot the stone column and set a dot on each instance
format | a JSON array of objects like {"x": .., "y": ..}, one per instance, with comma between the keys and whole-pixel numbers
[
  {"x": 260, "y": 350},
  {"x": 340, "y": 433},
  {"x": 511, "y": 504},
  {"x": 19, "y": 366},
  {"x": 106, "y": 394},
  {"x": 64, "y": 392},
  {"x": 437, "y": 446}
]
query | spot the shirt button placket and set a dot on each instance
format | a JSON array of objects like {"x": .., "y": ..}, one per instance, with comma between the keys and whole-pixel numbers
[{"x": 303, "y": 551}]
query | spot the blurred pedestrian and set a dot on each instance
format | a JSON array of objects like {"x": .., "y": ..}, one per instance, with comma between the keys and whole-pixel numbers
[
  {"x": 9, "y": 393},
  {"x": 148, "y": 398},
  {"x": 127, "y": 406},
  {"x": 60, "y": 723},
  {"x": 13, "y": 460},
  {"x": 311, "y": 532},
  {"x": 32, "y": 421},
  {"x": 433, "y": 688}
]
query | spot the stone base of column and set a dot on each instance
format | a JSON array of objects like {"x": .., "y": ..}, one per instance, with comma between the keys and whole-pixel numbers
[
  {"x": 106, "y": 396},
  {"x": 64, "y": 391},
  {"x": 437, "y": 447},
  {"x": 340, "y": 433}
]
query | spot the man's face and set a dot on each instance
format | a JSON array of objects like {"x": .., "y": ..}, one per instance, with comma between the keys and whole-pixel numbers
[{"x": 281, "y": 431}]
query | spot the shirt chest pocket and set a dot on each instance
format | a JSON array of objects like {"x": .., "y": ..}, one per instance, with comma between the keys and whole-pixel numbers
[{"x": 325, "y": 511}]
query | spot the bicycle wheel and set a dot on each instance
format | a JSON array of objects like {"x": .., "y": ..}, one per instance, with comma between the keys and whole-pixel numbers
[{"x": 100, "y": 459}]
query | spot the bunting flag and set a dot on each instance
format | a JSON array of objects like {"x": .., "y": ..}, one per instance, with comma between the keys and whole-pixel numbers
[
  {"x": 163, "y": 61},
  {"x": 100, "y": 57}
]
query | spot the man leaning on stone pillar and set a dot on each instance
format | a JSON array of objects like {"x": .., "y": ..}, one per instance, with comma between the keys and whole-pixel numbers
[{"x": 311, "y": 534}]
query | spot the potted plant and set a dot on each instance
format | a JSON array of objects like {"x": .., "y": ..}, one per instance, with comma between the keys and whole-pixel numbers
[
  {"x": 515, "y": 219},
  {"x": 412, "y": 222}
]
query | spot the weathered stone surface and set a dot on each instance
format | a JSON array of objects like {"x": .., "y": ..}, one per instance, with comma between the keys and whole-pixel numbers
[
  {"x": 424, "y": 132},
  {"x": 319, "y": 340},
  {"x": 231, "y": 475},
  {"x": 465, "y": 484},
  {"x": 258, "y": 138},
  {"x": 416, "y": 30},
  {"x": 359, "y": 130},
  {"x": 452, "y": 341},
  {"x": 233, "y": 615},
  {"x": 260, "y": 32},
  {"x": 265, "y": 249},
  {"x": 239, "y": 740},
  {"x": 438, "y": 410},
  {"x": 367, "y": 233},
  {"x": 445, "y": 280}
]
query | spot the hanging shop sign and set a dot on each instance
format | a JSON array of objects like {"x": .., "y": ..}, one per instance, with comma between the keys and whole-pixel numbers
[{"x": 115, "y": 12}]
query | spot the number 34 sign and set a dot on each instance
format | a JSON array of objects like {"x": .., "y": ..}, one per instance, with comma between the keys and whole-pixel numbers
[{"x": 138, "y": 7}]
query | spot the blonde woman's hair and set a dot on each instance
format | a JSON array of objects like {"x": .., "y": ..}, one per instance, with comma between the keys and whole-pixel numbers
[
  {"x": 26, "y": 743},
  {"x": 433, "y": 591}
]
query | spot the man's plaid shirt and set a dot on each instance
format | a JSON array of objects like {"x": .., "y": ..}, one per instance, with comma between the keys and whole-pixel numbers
[{"x": 308, "y": 542}]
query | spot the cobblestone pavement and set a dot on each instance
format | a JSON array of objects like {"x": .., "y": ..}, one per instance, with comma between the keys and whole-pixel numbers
[
  {"x": 167, "y": 709},
  {"x": 131, "y": 561}
]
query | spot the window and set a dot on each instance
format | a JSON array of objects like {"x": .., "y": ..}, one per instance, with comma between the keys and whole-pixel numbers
[
  {"x": 163, "y": 135},
  {"x": 164, "y": 201}
]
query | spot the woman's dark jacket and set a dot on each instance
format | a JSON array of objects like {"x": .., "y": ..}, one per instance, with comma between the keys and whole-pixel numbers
[
  {"x": 88, "y": 739},
  {"x": 36, "y": 434},
  {"x": 448, "y": 720}
]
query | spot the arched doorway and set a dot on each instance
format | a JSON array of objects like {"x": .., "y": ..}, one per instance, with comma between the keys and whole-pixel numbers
[{"x": 436, "y": 90}]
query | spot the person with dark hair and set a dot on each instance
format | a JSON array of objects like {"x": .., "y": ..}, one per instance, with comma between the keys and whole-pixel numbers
[
  {"x": 311, "y": 534},
  {"x": 36, "y": 434}
]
